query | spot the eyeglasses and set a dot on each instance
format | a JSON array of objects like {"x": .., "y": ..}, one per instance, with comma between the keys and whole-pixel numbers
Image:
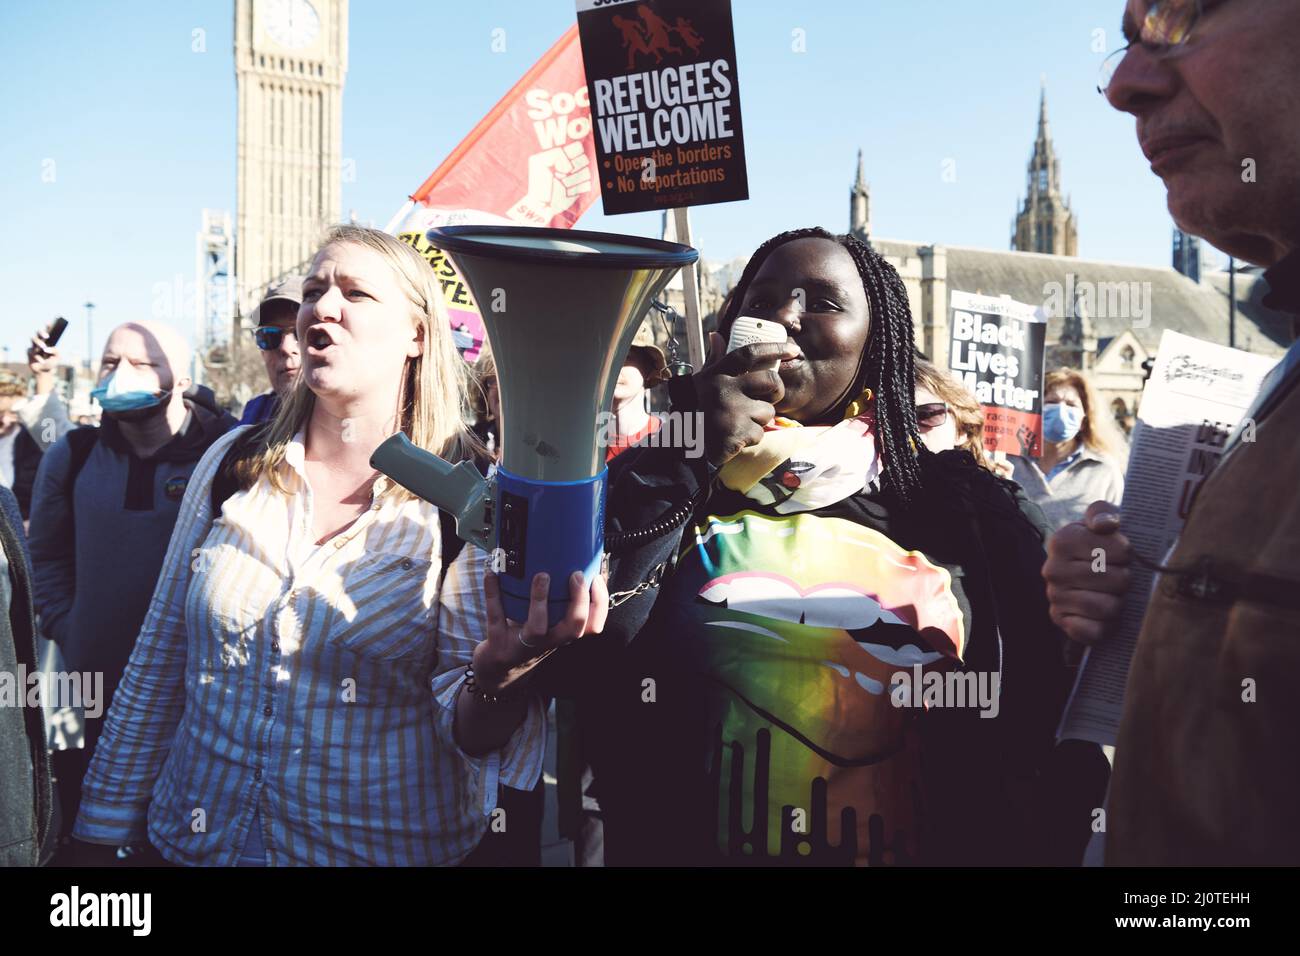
[
  {"x": 1164, "y": 30},
  {"x": 931, "y": 415},
  {"x": 269, "y": 337}
]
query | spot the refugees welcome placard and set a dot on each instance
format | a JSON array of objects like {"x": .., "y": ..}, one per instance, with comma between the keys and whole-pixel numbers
[{"x": 665, "y": 102}]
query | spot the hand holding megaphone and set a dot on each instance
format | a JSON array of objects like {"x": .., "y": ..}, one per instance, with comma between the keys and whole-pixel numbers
[
  {"x": 738, "y": 394},
  {"x": 489, "y": 711},
  {"x": 511, "y": 649}
]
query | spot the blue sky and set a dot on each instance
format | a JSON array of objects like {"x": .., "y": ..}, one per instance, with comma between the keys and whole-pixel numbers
[{"x": 137, "y": 131}]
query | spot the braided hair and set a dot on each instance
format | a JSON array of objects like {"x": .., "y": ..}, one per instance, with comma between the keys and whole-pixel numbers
[{"x": 885, "y": 366}]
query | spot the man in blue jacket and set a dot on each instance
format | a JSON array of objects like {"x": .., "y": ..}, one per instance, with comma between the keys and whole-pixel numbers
[{"x": 276, "y": 320}]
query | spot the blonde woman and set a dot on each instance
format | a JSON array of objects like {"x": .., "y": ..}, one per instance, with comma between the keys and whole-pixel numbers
[
  {"x": 301, "y": 690},
  {"x": 948, "y": 416},
  {"x": 1082, "y": 461},
  {"x": 485, "y": 402}
]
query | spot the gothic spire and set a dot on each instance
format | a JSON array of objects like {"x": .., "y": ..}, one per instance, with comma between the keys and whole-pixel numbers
[
  {"x": 1045, "y": 222},
  {"x": 1043, "y": 133},
  {"x": 1043, "y": 165},
  {"x": 860, "y": 205}
]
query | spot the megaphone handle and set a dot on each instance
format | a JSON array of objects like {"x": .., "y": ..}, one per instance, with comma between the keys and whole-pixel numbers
[{"x": 457, "y": 489}]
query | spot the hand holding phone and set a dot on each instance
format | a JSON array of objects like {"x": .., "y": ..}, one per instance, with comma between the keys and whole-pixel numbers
[
  {"x": 56, "y": 332},
  {"x": 41, "y": 354},
  {"x": 747, "y": 330}
]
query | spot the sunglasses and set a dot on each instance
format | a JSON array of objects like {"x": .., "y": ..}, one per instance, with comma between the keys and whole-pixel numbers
[
  {"x": 931, "y": 415},
  {"x": 269, "y": 337}
]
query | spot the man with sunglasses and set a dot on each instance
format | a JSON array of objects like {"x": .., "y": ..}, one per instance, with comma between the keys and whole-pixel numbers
[
  {"x": 1205, "y": 764},
  {"x": 275, "y": 334}
]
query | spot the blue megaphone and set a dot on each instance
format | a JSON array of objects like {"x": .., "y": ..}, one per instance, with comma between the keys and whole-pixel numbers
[{"x": 561, "y": 308}]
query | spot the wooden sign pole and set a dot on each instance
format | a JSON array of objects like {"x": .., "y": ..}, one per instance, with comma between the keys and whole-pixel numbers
[{"x": 690, "y": 288}]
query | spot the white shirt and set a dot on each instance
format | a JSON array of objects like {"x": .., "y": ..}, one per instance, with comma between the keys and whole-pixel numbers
[
  {"x": 309, "y": 687},
  {"x": 7, "y": 457}
]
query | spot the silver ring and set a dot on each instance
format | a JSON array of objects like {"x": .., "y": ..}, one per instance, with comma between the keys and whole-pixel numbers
[{"x": 520, "y": 635}]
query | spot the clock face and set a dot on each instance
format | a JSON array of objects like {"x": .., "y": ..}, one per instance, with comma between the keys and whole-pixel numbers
[{"x": 292, "y": 23}]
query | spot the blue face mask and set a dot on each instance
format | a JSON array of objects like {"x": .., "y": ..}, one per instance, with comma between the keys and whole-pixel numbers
[
  {"x": 126, "y": 390},
  {"x": 1061, "y": 422}
]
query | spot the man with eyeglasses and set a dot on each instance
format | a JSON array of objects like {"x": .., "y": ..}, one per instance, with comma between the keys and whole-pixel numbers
[
  {"x": 1206, "y": 769},
  {"x": 275, "y": 333}
]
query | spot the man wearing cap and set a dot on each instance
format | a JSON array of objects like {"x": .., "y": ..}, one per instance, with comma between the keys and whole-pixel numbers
[
  {"x": 275, "y": 332},
  {"x": 630, "y": 421}
]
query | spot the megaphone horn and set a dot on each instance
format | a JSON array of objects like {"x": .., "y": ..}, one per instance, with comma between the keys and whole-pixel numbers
[{"x": 561, "y": 308}]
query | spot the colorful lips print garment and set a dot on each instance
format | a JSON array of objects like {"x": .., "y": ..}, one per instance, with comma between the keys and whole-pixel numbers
[{"x": 796, "y": 624}]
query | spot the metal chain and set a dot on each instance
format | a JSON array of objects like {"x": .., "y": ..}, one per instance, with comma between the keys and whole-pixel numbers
[
  {"x": 652, "y": 581},
  {"x": 670, "y": 317}
]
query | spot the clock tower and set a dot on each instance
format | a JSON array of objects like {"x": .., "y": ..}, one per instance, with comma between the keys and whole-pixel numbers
[{"x": 290, "y": 60}]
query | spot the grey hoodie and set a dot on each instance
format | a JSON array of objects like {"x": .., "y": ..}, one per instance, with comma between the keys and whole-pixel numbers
[{"x": 96, "y": 554}]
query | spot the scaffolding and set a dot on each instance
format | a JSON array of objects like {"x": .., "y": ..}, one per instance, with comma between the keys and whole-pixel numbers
[{"x": 215, "y": 302}]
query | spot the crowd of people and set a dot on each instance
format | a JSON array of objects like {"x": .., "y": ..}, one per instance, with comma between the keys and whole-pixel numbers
[{"x": 303, "y": 665}]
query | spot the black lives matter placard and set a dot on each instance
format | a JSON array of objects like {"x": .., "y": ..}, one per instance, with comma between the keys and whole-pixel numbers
[
  {"x": 665, "y": 102},
  {"x": 996, "y": 350}
]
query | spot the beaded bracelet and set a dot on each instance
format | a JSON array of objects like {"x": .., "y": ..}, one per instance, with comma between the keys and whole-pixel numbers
[{"x": 471, "y": 685}]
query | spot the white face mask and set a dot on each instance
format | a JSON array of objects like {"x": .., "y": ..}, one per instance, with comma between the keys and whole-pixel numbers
[{"x": 127, "y": 390}]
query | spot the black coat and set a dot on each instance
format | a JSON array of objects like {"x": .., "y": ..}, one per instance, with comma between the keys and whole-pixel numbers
[
  {"x": 26, "y": 787},
  {"x": 650, "y": 780},
  {"x": 27, "y": 459}
]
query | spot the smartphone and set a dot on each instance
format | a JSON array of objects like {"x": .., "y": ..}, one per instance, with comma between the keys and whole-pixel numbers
[
  {"x": 56, "y": 331},
  {"x": 748, "y": 330}
]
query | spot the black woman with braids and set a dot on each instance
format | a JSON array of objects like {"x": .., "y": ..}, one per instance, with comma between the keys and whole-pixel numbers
[{"x": 843, "y": 653}]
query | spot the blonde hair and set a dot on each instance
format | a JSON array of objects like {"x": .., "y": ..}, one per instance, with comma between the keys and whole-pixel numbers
[
  {"x": 1095, "y": 433},
  {"x": 484, "y": 371},
  {"x": 966, "y": 411},
  {"x": 431, "y": 410}
]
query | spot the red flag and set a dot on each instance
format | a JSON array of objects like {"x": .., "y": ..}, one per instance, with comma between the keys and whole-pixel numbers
[{"x": 530, "y": 161}]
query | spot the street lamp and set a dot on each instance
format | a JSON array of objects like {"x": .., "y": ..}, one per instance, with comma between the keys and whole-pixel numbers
[{"x": 90, "y": 336}]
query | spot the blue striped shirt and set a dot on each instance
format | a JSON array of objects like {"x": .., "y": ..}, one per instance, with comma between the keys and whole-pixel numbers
[{"x": 314, "y": 686}]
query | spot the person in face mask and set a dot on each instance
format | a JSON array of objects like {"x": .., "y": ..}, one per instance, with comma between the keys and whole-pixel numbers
[
  {"x": 143, "y": 375},
  {"x": 1080, "y": 462},
  {"x": 103, "y": 507}
]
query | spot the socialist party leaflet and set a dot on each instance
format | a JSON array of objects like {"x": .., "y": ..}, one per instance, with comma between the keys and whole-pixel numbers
[
  {"x": 665, "y": 102},
  {"x": 1197, "y": 394},
  {"x": 996, "y": 351}
]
